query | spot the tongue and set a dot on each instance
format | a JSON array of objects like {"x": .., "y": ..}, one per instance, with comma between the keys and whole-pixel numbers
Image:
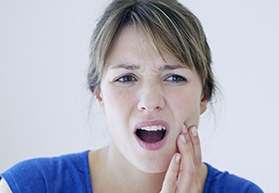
[{"x": 150, "y": 136}]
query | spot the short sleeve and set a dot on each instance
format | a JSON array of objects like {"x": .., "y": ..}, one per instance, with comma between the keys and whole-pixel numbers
[
  {"x": 253, "y": 188},
  {"x": 63, "y": 174},
  {"x": 24, "y": 177}
]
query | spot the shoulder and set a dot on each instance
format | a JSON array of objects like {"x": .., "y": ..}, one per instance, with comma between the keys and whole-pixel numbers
[
  {"x": 224, "y": 182},
  {"x": 47, "y": 173}
]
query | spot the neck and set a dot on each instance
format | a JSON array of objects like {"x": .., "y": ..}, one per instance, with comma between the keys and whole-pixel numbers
[{"x": 125, "y": 177}]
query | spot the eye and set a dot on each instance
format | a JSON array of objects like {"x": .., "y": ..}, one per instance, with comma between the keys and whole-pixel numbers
[
  {"x": 126, "y": 79},
  {"x": 175, "y": 78}
]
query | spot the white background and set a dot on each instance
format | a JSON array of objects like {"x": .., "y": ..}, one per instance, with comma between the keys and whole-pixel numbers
[{"x": 44, "y": 102}]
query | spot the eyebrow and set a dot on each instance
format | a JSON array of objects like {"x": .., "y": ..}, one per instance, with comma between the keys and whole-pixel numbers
[
  {"x": 172, "y": 67},
  {"x": 126, "y": 66},
  {"x": 136, "y": 67}
]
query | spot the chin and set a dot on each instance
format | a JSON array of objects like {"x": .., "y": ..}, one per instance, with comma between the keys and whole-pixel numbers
[{"x": 153, "y": 164}]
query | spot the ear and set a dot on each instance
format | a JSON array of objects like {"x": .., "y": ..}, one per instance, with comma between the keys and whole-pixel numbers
[
  {"x": 99, "y": 98},
  {"x": 203, "y": 104}
]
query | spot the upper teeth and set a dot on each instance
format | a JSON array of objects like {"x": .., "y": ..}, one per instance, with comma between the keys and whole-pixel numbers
[{"x": 153, "y": 128}]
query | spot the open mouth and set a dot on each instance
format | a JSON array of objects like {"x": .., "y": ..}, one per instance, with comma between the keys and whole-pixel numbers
[{"x": 151, "y": 134}]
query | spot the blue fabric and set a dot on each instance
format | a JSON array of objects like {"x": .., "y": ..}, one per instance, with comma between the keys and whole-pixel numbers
[
  {"x": 70, "y": 173},
  {"x": 224, "y": 182}
]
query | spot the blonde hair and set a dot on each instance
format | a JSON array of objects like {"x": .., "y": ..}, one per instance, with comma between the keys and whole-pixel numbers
[{"x": 170, "y": 27}]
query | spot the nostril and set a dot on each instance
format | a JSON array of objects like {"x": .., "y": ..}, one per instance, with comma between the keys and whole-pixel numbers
[
  {"x": 150, "y": 109},
  {"x": 151, "y": 105}
]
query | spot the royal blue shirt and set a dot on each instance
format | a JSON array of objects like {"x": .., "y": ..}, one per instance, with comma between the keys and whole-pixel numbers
[{"x": 70, "y": 174}]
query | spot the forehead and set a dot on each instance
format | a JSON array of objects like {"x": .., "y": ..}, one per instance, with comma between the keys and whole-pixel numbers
[
  {"x": 131, "y": 41},
  {"x": 132, "y": 46}
]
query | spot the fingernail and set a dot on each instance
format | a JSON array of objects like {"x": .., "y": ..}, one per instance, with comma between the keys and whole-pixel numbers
[
  {"x": 184, "y": 130},
  {"x": 194, "y": 131},
  {"x": 177, "y": 159},
  {"x": 182, "y": 138}
]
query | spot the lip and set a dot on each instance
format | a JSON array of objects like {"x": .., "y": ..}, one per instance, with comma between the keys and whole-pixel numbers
[{"x": 152, "y": 146}]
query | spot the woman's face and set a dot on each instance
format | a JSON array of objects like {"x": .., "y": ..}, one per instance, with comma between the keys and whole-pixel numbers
[{"x": 146, "y": 100}]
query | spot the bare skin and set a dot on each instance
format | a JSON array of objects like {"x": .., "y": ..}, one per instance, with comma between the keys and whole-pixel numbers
[
  {"x": 186, "y": 172},
  {"x": 137, "y": 85},
  {"x": 4, "y": 187}
]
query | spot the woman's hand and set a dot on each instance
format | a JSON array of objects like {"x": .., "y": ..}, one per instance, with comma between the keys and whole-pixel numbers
[{"x": 184, "y": 173}]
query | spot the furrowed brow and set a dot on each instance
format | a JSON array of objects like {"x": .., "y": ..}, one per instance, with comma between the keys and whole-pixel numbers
[
  {"x": 126, "y": 66},
  {"x": 137, "y": 67},
  {"x": 172, "y": 67}
]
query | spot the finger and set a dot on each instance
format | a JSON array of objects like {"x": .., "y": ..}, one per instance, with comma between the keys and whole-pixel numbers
[
  {"x": 186, "y": 134},
  {"x": 169, "y": 184},
  {"x": 196, "y": 145},
  {"x": 187, "y": 171},
  {"x": 192, "y": 137},
  {"x": 185, "y": 146}
]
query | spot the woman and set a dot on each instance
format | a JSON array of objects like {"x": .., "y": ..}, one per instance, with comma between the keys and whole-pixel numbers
[{"x": 151, "y": 75}]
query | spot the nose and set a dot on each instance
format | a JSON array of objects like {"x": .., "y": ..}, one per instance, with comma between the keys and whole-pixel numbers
[{"x": 151, "y": 99}]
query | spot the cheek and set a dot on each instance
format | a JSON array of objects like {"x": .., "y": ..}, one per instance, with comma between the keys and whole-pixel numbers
[
  {"x": 118, "y": 100},
  {"x": 185, "y": 107},
  {"x": 118, "y": 104}
]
